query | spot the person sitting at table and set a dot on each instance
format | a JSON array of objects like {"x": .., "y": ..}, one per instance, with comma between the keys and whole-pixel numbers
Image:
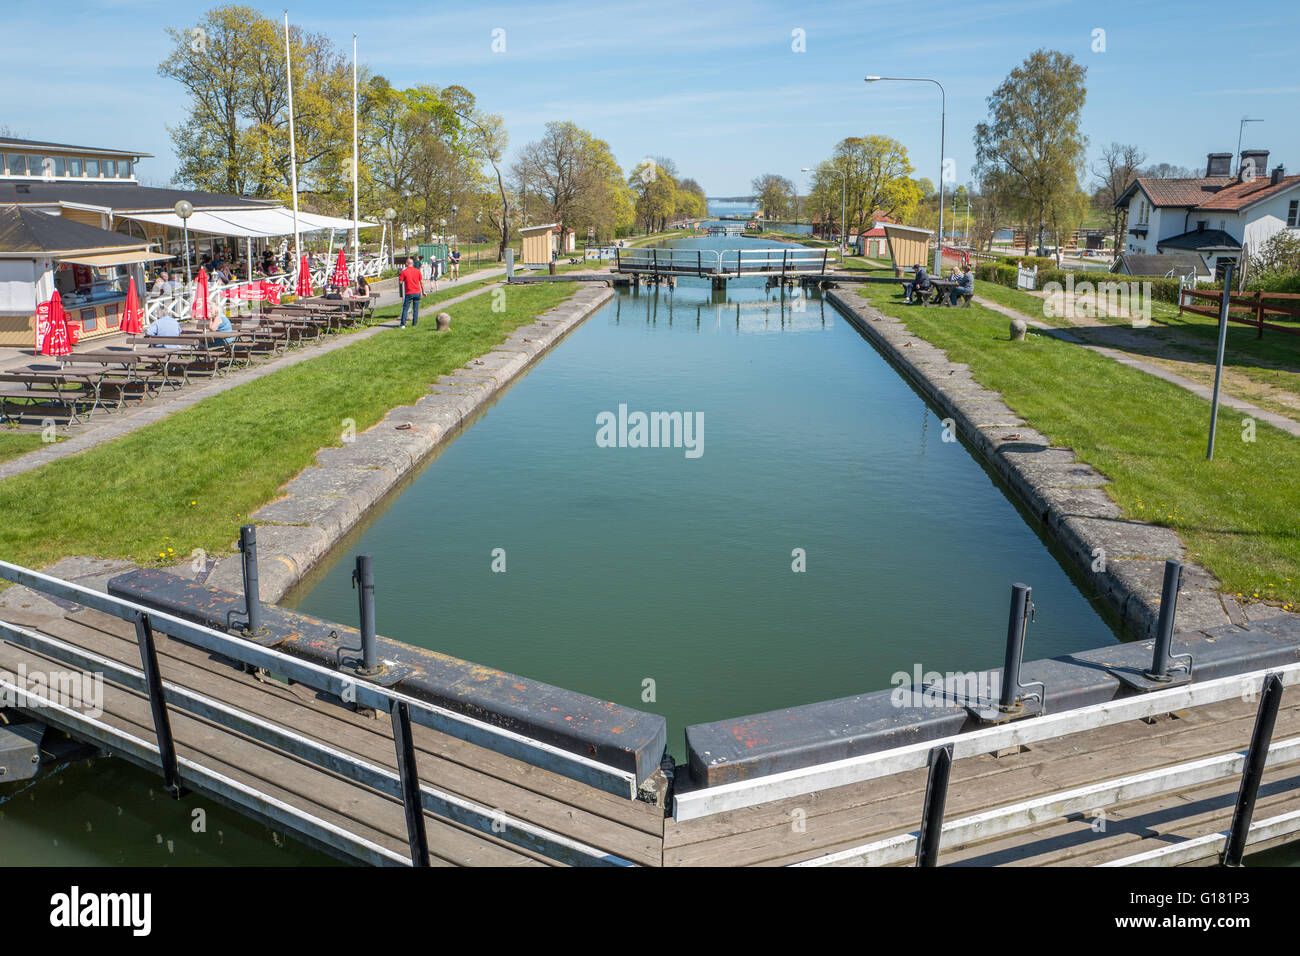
[
  {"x": 361, "y": 290},
  {"x": 164, "y": 325},
  {"x": 164, "y": 284},
  {"x": 919, "y": 285},
  {"x": 332, "y": 292},
  {"x": 220, "y": 322},
  {"x": 965, "y": 285}
]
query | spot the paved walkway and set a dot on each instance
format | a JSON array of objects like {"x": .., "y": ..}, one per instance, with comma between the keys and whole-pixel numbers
[
  {"x": 107, "y": 426},
  {"x": 1289, "y": 425}
]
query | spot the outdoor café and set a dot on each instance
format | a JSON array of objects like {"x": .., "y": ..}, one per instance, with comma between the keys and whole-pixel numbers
[{"x": 90, "y": 268}]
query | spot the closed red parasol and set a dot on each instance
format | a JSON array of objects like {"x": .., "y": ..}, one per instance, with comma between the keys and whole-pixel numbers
[
  {"x": 58, "y": 339},
  {"x": 199, "y": 307},
  {"x": 340, "y": 277},
  {"x": 131, "y": 322},
  {"x": 304, "y": 279}
]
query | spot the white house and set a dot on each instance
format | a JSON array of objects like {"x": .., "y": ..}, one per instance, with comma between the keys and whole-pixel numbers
[{"x": 1212, "y": 216}]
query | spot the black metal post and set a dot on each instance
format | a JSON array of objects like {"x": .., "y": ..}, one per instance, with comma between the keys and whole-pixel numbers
[
  {"x": 252, "y": 602},
  {"x": 1224, "y": 303},
  {"x": 1165, "y": 625},
  {"x": 1253, "y": 772},
  {"x": 157, "y": 704},
  {"x": 363, "y": 579},
  {"x": 1021, "y": 607},
  {"x": 936, "y": 796},
  {"x": 411, "y": 802}
]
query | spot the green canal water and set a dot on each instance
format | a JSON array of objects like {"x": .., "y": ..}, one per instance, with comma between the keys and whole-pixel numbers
[
  {"x": 664, "y": 581},
  {"x": 625, "y": 566}
]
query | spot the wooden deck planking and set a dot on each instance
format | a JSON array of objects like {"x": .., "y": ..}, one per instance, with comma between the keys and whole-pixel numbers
[
  {"x": 851, "y": 816},
  {"x": 625, "y": 828},
  {"x": 521, "y": 790}
]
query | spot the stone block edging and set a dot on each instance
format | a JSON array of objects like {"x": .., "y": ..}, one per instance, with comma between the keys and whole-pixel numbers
[
  {"x": 1066, "y": 495},
  {"x": 326, "y": 500}
]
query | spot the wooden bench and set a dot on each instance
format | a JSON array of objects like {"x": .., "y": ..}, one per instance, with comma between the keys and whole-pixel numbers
[{"x": 43, "y": 388}]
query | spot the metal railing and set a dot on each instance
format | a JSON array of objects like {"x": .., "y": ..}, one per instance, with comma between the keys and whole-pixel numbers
[
  {"x": 180, "y": 304},
  {"x": 1230, "y": 845},
  {"x": 403, "y": 710},
  {"x": 724, "y": 263}
]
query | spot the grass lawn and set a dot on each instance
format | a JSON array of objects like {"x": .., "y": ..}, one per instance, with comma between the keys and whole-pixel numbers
[
  {"x": 15, "y": 443},
  {"x": 1272, "y": 362},
  {"x": 1237, "y": 515},
  {"x": 190, "y": 480}
]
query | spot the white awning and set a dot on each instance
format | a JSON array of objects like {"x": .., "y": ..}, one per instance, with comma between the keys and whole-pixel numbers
[
  {"x": 248, "y": 223},
  {"x": 116, "y": 258}
]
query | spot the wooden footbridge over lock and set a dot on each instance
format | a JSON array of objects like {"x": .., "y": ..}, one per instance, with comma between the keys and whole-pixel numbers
[
  {"x": 1160, "y": 773},
  {"x": 784, "y": 266}
]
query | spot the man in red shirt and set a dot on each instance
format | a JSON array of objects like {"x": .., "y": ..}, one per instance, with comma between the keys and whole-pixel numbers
[{"x": 411, "y": 283}]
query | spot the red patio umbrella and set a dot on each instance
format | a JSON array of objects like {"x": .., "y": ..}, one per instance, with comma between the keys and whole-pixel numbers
[
  {"x": 199, "y": 307},
  {"x": 304, "y": 279},
  {"x": 132, "y": 314},
  {"x": 58, "y": 339},
  {"x": 340, "y": 277}
]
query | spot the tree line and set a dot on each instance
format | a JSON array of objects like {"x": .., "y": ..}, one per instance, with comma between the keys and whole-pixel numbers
[{"x": 429, "y": 153}]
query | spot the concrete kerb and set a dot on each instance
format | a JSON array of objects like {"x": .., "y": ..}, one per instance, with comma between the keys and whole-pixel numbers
[
  {"x": 1122, "y": 558},
  {"x": 325, "y": 501}
]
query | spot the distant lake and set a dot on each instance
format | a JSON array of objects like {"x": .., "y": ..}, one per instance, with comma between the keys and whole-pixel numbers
[{"x": 745, "y": 209}]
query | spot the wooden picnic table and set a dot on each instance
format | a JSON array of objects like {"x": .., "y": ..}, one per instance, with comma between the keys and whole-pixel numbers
[
  {"x": 50, "y": 385},
  {"x": 200, "y": 348}
]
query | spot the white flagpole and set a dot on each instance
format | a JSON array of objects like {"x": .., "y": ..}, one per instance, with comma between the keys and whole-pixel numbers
[
  {"x": 293, "y": 152},
  {"x": 356, "y": 169}
]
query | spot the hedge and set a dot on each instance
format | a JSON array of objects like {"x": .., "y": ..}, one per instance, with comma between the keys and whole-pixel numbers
[{"x": 1162, "y": 289}]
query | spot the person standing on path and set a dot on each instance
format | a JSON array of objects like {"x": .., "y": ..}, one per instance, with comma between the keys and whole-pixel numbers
[{"x": 411, "y": 283}]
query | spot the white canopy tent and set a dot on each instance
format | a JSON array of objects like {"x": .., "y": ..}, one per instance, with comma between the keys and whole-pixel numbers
[{"x": 250, "y": 224}]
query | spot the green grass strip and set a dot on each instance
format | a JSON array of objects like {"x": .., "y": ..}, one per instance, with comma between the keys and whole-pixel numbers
[
  {"x": 191, "y": 479},
  {"x": 1236, "y": 515}
]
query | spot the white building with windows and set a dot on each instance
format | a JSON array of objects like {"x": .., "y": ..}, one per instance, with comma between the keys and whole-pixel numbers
[{"x": 1212, "y": 216}]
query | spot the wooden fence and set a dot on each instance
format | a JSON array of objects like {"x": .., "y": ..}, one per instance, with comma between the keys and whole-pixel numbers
[{"x": 1253, "y": 308}]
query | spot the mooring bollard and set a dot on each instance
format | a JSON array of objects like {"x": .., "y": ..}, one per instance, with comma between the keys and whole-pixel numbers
[
  {"x": 363, "y": 579},
  {"x": 252, "y": 602},
  {"x": 1021, "y": 609},
  {"x": 1253, "y": 772},
  {"x": 1165, "y": 625}
]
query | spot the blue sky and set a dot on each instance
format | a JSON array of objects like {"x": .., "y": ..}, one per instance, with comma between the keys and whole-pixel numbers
[{"x": 717, "y": 86}]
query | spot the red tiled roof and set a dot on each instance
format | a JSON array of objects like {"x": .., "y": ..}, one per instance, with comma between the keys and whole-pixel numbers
[
  {"x": 1182, "y": 192},
  {"x": 1240, "y": 195},
  {"x": 1212, "y": 193}
]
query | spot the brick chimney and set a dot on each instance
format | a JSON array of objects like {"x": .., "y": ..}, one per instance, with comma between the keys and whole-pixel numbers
[
  {"x": 1254, "y": 162},
  {"x": 1218, "y": 164},
  {"x": 1279, "y": 173}
]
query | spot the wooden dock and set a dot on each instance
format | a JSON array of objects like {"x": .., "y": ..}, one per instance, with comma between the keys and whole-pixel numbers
[
  {"x": 1151, "y": 778},
  {"x": 325, "y": 809},
  {"x": 808, "y": 827}
]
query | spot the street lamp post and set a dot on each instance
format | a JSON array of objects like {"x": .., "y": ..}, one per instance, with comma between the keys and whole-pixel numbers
[
  {"x": 406, "y": 217},
  {"x": 185, "y": 209},
  {"x": 943, "y": 122},
  {"x": 389, "y": 215},
  {"x": 844, "y": 194}
]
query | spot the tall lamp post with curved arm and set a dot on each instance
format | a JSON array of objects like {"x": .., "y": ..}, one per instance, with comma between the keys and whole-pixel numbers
[
  {"x": 184, "y": 209},
  {"x": 844, "y": 194},
  {"x": 943, "y": 120}
]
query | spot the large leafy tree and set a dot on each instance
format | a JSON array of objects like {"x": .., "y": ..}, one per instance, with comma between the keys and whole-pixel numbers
[
  {"x": 874, "y": 173},
  {"x": 572, "y": 173},
  {"x": 775, "y": 194},
  {"x": 234, "y": 137},
  {"x": 1032, "y": 137}
]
